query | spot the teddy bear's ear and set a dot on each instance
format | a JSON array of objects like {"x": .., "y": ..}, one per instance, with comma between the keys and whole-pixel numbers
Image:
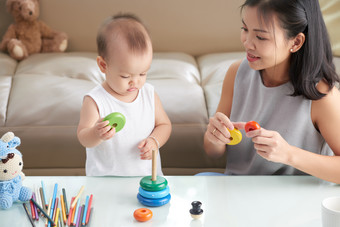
[{"x": 9, "y": 5}]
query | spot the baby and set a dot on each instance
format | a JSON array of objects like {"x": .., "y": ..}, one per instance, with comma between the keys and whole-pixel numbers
[{"x": 124, "y": 56}]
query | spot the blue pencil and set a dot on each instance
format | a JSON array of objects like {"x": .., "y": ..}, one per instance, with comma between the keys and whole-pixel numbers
[
  {"x": 85, "y": 210},
  {"x": 43, "y": 189},
  {"x": 53, "y": 202}
]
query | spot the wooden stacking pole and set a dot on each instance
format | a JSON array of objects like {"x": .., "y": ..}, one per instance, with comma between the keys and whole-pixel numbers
[{"x": 154, "y": 165}]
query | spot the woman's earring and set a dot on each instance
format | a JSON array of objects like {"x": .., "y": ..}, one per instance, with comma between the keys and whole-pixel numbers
[{"x": 291, "y": 50}]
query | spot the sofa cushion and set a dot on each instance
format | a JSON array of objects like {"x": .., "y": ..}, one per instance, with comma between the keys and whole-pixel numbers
[
  {"x": 177, "y": 82},
  {"x": 213, "y": 68},
  {"x": 7, "y": 70}
]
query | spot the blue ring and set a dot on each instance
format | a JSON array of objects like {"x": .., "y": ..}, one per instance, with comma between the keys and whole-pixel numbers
[
  {"x": 154, "y": 195},
  {"x": 153, "y": 202}
]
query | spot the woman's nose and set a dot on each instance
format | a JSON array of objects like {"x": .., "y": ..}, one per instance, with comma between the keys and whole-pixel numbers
[{"x": 248, "y": 43}]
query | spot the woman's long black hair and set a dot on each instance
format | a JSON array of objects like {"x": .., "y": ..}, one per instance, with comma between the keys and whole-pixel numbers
[{"x": 314, "y": 61}]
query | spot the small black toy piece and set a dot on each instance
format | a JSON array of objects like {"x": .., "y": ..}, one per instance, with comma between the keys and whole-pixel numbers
[{"x": 196, "y": 211}]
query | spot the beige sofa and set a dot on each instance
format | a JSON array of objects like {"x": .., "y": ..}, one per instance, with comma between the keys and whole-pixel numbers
[{"x": 194, "y": 42}]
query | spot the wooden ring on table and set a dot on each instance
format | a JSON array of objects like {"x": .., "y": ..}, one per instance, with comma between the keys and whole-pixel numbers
[
  {"x": 235, "y": 136},
  {"x": 153, "y": 202},
  {"x": 251, "y": 125},
  {"x": 116, "y": 120},
  {"x": 155, "y": 194},
  {"x": 149, "y": 185},
  {"x": 142, "y": 214}
]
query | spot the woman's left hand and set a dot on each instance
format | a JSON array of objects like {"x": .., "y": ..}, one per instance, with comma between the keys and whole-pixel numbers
[{"x": 270, "y": 145}]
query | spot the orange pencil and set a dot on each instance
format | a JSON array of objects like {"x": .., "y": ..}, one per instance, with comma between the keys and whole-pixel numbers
[
  {"x": 70, "y": 214},
  {"x": 63, "y": 212}
]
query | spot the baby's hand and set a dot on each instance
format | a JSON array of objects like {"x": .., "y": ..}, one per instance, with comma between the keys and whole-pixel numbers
[
  {"x": 146, "y": 147},
  {"x": 103, "y": 130}
]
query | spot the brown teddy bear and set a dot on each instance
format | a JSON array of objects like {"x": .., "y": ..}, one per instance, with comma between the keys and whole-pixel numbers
[{"x": 28, "y": 35}]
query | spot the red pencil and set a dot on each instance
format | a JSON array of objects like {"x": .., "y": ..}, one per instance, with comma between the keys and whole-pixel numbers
[
  {"x": 89, "y": 209},
  {"x": 32, "y": 210}
]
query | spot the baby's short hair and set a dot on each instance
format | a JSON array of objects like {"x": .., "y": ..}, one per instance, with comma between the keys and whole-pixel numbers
[{"x": 127, "y": 26}]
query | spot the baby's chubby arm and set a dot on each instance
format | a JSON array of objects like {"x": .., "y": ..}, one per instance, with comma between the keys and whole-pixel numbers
[
  {"x": 91, "y": 129},
  {"x": 160, "y": 133}
]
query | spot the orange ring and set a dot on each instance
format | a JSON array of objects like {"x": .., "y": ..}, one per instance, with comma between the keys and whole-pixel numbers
[{"x": 142, "y": 214}]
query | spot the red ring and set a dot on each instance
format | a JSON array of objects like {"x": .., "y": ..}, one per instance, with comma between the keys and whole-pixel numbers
[
  {"x": 142, "y": 214},
  {"x": 251, "y": 125}
]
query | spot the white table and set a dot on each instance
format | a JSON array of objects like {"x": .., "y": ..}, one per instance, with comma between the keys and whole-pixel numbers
[{"x": 248, "y": 201}]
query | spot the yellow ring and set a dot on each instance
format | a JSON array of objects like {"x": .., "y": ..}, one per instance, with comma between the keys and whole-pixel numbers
[{"x": 235, "y": 136}]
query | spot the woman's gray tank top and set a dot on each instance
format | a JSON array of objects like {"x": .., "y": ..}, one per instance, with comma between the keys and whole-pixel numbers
[{"x": 274, "y": 109}]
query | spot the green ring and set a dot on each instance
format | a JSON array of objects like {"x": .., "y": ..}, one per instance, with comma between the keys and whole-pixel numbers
[
  {"x": 159, "y": 184},
  {"x": 116, "y": 120}
]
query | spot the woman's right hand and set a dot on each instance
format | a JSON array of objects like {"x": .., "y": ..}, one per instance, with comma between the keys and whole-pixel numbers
[{"x": 217, "y": 129}]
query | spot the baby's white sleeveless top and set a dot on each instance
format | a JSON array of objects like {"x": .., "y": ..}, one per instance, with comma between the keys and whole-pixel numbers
[
  {"x": 120, "y": 155},
  {"x": 274, "y": 109}
]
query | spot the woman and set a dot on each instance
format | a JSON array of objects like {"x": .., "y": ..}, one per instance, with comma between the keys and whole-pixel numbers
[{"x": 286, "y": 84}]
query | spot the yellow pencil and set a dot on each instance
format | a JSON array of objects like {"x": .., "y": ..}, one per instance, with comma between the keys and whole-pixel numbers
[
  {"x": 77, "y": 197},
  {"x": 63, "y": 212},
  {"x": 56, "y": 217}
]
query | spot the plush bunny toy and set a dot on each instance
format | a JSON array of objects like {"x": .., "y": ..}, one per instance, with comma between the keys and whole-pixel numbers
[{"x": 11, "y": 174}]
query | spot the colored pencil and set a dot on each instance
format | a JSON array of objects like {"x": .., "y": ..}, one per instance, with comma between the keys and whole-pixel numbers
[
  {"x": 90, "y": 214},
  {"x": 53, "y": 201},
  {"x": 37, "y": 197},
  {"x": 32, "y": 210},
  {"x": 63, "y": 212},
  {"x": 79, "y": 215},
  {"x": 89, "y": 209},
  {"x": 74, "y": 220},
  {"x": 85, "y": 210},
  {"x": 70, "y": 214},
  {"x": 65, "y": 201},
  {"x": 77, "y": 197},
  {"x": 57, "y": 215},
  {"x": 55, "y": 208},
  {"x": 44, "y": 212},
  {"x": 35, "y": 207},
  {"x": 61, "y": 223},
  {"x": 82, "y": 215},
  {"x": 43, "y": 206},
  {"x": 48, "y": 211},
  {"x": 44, "y": 195},
  {"x": 28, "y": 215}
]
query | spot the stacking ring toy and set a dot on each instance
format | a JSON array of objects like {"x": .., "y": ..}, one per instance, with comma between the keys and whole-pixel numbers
[
  {"x": 251, "y": 125},
  {"x": 148, "y": 184},
  {"x": 154, "y": 194},
  {"x": 235, "y": 136},
  {"x": 116, "y": 120},
  {"x": 142, "y": 214},
  {"x": 153, "y": 202}
]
